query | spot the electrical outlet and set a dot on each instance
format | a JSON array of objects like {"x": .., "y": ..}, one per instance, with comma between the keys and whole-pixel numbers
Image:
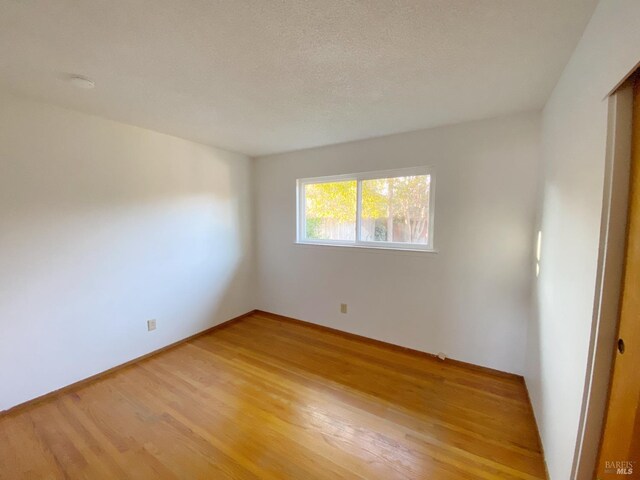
[
  {"x": 343, "y": 308},
  {"x": 151, "y": 324}
]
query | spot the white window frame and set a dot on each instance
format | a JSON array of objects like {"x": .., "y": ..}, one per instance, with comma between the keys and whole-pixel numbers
[{"x": 359, "y": 177}]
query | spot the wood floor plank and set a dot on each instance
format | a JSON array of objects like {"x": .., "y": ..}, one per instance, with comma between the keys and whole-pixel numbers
[
  {"x": 407, "y": 395},
  {"x": 431, "y": 430},
  {"x": 419, "y": 421},
  {"x": 266, "y": 398}
]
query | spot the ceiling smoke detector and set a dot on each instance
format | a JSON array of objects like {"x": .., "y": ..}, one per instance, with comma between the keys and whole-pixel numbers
[{"x": 81, "y": 82}]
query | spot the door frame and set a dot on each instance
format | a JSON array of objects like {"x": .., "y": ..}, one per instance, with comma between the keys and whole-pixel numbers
[{"x": 608, "y": 291}]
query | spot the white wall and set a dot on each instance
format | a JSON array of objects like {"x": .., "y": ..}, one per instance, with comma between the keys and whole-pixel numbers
[
  {"x": 103, "y": 226},
  {"x": 471, "y": 300},
  {"x": 573, "y": 149}
]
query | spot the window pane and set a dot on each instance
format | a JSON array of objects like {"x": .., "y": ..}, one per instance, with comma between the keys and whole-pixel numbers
[
  {"x": 396, "y": 209},
  {"x": 330, "y": 210}
]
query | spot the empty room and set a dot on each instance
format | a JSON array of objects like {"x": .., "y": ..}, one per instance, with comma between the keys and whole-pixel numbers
[{"x": 320, "y": 239}]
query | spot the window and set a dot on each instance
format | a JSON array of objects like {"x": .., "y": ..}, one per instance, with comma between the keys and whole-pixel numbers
[{"x": 389, "y": 209}]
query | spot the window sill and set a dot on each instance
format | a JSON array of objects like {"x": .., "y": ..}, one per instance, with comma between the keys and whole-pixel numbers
[{"x": 371, "y": 248}]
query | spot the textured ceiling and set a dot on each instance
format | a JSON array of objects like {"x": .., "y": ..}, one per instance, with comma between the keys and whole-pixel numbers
[{"x": 264, "y": 76}]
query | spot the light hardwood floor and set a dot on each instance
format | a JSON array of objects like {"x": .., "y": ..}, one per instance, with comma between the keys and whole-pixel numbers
[{"x": 265, "y": 398}]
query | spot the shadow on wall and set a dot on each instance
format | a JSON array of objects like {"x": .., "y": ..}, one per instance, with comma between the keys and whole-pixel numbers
[
  {"x": 96, "y": 241},
  {"x": 561, "y": 311}
]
